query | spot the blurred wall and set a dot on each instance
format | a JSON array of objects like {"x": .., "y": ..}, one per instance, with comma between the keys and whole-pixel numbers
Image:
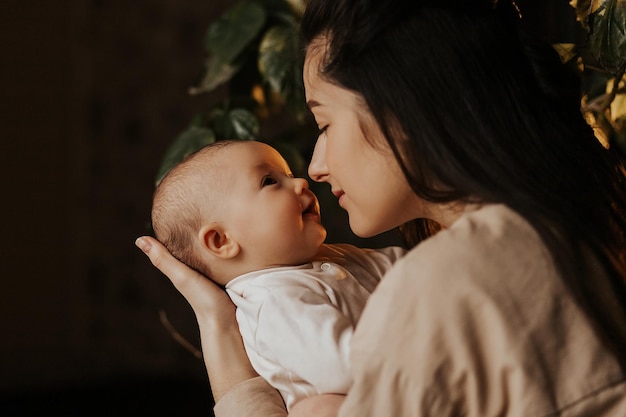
[{"x": 91, "y": 94}]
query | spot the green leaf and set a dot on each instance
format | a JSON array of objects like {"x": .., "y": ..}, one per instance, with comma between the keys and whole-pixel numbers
[
  {"x": 620, "y": 134},
  {"x": 295, "y": 98},
  {"x": 297, "y": 7},
  {"x": 216, "y": 73},
  {"x": 608, "y": 34},
  {"x": 281, "y": 8},
  {"x": 229, "y": 35},
  {"x": 245, "y": 124},
  {"x": 566, "y": 51},
  {"x": 277, "y": 56},
  {"x": 583, "y": 8},
  {"x": 280, "y": 65},
  {"x": 293, "y": 157},
  {"x": 189, "y": 141},
  {"x": 235, "y": 124},
  {"x": 594, "y": 83}
]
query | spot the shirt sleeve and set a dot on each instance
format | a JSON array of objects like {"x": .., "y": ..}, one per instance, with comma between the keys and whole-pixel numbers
[{"x": 251, "y": 398}]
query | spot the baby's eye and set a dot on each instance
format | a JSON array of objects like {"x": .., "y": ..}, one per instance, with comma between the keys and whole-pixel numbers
[{"x": 268, "y": 180}]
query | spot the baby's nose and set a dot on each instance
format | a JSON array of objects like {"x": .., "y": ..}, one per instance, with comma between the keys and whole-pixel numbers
[{"x": 300, "y": 185}]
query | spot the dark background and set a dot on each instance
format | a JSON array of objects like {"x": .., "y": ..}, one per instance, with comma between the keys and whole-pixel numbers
[{"x": 91, "y": 94}]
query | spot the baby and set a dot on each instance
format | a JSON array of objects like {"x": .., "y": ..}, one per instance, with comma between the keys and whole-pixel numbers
[{"x": 234, "y": 211}]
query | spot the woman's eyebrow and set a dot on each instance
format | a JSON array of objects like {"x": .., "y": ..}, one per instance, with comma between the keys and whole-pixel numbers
[{"x": 312, "y": 103}]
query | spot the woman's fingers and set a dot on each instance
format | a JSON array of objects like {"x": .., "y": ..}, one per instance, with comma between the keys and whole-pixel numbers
[
  {"x": 179, "y": 273},
  {"x": 203, "y": 295}
]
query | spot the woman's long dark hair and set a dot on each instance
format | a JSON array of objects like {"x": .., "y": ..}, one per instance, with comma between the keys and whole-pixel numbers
[{"x": 482, "y": 111}]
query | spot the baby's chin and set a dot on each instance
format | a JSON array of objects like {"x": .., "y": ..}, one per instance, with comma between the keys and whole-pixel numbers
[{"x": 309, "y": 256}]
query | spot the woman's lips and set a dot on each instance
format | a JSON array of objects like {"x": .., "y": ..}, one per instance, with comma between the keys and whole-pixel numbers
[{"x": 339, "y": 194}]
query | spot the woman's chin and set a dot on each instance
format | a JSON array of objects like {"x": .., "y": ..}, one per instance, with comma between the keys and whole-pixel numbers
[{"x": 363, "y": 230}]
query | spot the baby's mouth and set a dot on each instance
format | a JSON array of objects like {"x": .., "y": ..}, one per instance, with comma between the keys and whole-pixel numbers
[{"x": 311, "y": 210}]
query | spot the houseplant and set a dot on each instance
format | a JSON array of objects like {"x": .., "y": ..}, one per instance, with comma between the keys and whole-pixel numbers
[{"x": 255, "y": 49}]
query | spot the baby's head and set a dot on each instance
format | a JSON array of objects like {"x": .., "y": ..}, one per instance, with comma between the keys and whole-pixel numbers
[{"x": 234, "y": 207}]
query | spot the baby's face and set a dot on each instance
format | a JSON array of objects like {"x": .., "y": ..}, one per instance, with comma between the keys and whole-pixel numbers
[{"x": 274, "y": 216}]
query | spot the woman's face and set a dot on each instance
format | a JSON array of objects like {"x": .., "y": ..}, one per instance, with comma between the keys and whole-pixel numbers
[{"x": 352, "y": 155}]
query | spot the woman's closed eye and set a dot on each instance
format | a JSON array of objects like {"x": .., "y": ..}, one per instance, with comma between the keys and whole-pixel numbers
[{"x": 321, "y": 131}]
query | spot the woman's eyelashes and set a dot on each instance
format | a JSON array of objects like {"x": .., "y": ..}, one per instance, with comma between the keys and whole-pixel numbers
[{"x": 321, "y": 131}]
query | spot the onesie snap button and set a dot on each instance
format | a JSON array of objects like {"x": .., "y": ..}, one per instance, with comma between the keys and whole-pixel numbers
[{"x": 325, "y": 266}]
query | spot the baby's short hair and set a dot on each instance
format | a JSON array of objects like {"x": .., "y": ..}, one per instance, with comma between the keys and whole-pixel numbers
[{"x": 177, "y": 206}]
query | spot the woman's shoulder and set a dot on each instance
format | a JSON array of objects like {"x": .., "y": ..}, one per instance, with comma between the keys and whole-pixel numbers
[
  {"x": 483, "y": 231},
  {"x": 491, "y": 245}
]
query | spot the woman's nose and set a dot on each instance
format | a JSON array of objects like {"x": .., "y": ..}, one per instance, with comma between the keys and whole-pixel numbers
[{"x": 317, "y": 168}]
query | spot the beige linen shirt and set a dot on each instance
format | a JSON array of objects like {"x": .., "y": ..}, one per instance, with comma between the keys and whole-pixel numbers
[{"x": 472, "y": 322}]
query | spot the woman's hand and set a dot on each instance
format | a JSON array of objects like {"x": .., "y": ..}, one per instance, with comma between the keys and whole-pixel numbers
[
  {"x": 326, "y": 405},
  {"x": 209, "y": 302},
  {"x": 224, "y": 356}
]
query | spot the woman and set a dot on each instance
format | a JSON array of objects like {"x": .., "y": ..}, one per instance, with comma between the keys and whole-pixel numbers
[{"x": 443, "y": 115}]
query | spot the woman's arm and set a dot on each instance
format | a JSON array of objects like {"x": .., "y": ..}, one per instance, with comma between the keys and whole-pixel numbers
[
  {"x": 224, "y": 356},
  {"x": 326, "y": 405}
]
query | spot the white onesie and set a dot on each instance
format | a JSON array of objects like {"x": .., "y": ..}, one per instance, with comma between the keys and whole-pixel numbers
[{"x": 297, "y": 322}]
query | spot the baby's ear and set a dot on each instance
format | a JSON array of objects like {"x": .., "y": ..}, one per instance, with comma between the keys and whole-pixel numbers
[{"x": 214, "y": 238}]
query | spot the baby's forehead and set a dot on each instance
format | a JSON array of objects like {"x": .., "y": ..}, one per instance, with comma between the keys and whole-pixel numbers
[
  {"x": 225, "y": 164},
  {"x": 255, "y": 155}
]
